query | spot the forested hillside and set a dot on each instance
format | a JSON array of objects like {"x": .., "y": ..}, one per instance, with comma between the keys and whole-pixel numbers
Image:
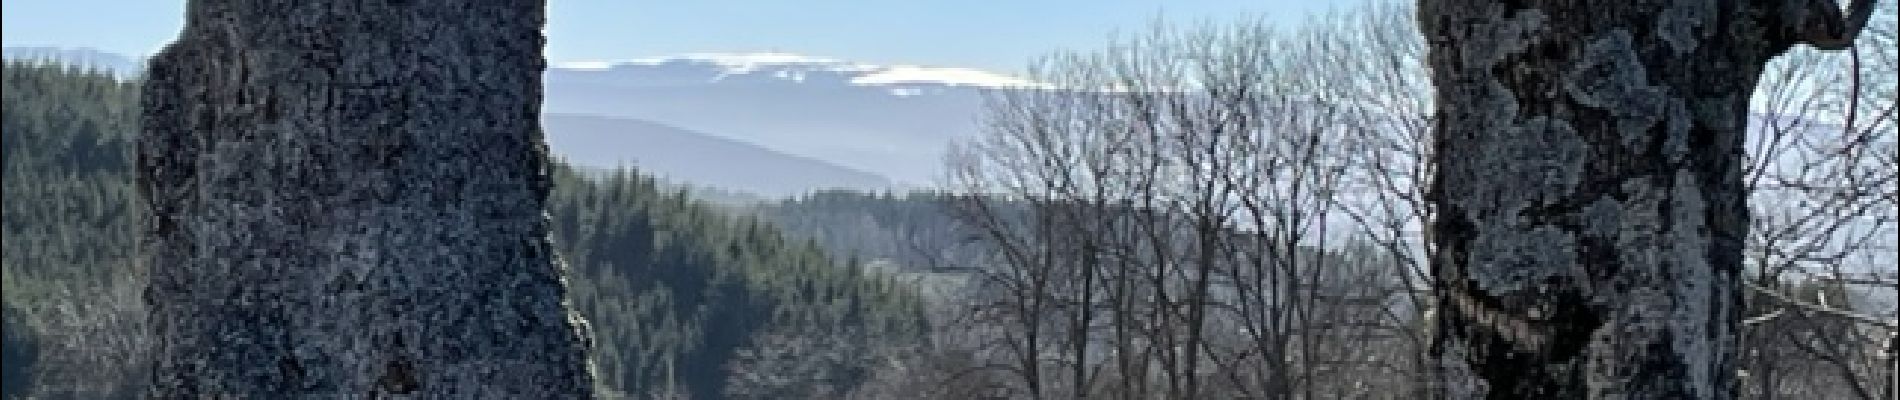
[
  {"x": 678, "y": 295},
  {"x": 915, "y": 231},
  {"x": 69, "y": 251},
  {"x": 675, "y": 290}
]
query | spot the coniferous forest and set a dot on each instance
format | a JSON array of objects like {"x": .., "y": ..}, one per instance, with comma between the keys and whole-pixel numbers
[{"x": 69, "y": 233}]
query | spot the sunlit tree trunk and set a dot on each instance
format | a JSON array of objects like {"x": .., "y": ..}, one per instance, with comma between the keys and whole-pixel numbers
[
  {"x": 1590, "y": 207},
  {"x": 348, "y": 200}
]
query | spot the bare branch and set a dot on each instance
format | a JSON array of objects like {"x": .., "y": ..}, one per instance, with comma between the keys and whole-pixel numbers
[{"x": 1890, "y": 326}]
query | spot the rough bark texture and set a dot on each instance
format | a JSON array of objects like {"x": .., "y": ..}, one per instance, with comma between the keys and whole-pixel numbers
[
  {"x": 1591, "y": 209},
  {"x": 348, "y": 201}
]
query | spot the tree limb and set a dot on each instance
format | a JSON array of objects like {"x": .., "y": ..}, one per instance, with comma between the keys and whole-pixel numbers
[{"x": 1857, "y": 317}]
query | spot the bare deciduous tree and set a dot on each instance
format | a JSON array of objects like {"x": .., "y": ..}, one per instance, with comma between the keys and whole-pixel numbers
[
  {"x": 1169, "y": 219},
  {"x": 1239, "y": 211},
  {"x": 1823, "y": 177}
]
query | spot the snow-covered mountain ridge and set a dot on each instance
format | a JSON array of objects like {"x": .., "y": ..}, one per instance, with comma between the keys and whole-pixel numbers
[{"x": 781, "y": 68}]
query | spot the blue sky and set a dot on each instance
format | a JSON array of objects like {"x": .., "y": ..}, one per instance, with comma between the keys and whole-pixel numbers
[{"x": 997, "y": 35}]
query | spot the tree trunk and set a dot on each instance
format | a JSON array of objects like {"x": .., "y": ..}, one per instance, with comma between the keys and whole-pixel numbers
[
  {"x": 348, "y": 200},
  {"x": 1591, "y": 209}
]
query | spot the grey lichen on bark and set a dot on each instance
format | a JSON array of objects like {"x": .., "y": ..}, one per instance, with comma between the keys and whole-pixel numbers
[
  {"x": 348, "y": 201},
  {"x": 1590, "y": 206}
]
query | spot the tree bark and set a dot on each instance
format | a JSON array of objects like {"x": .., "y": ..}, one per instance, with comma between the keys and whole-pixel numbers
[
  {"x": 1591, "y": 213},
  {"x": 348, "y": 200}
]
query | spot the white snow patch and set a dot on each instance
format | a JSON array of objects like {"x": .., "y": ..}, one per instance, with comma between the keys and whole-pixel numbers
[
  {"x": 586, "y": 65},
  {"x": 794, "y": 67},
  {"x": 947, "y": 76}
]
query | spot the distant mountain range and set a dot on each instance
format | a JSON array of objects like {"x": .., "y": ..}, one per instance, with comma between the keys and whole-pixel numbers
[
  {"x": 893, "y": 120},
  {"x": 768, "y": 123},
  {"x": 119, "y": 64},
  {"x": 695, "y": 157}
]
